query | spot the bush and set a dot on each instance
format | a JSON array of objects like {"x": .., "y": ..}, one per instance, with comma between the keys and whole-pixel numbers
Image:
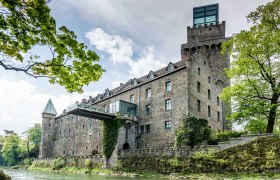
[
  {"x": 27, "y": 161},
  {"x": 58, "y": 164},
  {"x": 223, "y": 136},
  {"x": 88, "y": 163}
]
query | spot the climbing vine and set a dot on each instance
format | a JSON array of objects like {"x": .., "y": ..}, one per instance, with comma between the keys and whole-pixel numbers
[
  {"x": 192, "y": 132},
  {"x": 110, "y": 131}
]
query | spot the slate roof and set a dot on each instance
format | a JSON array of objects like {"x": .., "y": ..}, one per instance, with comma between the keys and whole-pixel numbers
[
  {"x": 142, "y": 80},
  {"x": 50, "y": 108}
]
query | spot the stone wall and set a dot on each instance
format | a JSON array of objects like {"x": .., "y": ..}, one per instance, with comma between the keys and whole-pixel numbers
[
  {"x": 47, "y": 138},
  {"x": 77, "y": 136},
  {"x": 207, "y": 95}
]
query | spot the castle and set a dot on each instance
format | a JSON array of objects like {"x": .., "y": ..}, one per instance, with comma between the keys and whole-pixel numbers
[{"x": 157, "y": 102}]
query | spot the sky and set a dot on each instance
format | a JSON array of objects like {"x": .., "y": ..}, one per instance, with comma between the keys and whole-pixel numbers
[{"x": 130, "y": 37}]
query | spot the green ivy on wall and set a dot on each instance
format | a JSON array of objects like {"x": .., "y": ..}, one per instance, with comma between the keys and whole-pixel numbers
[
  {"x": 110, "y": 130},
  {"x": 193, "y": 132}
]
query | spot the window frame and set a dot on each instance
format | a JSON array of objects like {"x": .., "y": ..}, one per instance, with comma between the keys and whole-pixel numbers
[
  {"x": 198, "y": 105},
  {"x": 209, "y": 111},
  {"x": 147, "y": 128},
  {"x": 167, "y": 125},
  {"x": 148, "y": 110},
  {"x": 198, "y": 87},
  {"x": 131, "y": 97},
  {"x": 168, "y": 105},
  {"x": 149, "y": 93},
  {"x": 168, "y": 86}
]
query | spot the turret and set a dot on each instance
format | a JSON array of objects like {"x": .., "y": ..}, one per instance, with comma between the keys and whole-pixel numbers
[
  {"x": 208, "y": 35},
  {"x": 48, "y": 131}
]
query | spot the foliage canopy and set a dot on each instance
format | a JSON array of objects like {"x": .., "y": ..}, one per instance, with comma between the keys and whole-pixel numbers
[
  {"x": 25, "y": 25},
  {"x": 255, "y": 68}
]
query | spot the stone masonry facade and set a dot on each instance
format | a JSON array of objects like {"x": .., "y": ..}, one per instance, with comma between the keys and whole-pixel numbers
[{"x": 189, "y": 87}]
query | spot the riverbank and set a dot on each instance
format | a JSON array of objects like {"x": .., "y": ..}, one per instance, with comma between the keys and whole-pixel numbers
[
  {"x": 258, "y": 159},
  {"x": 104, "y": 174}
]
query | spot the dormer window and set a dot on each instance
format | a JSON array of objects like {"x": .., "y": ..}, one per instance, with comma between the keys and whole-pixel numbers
[
  {"x": 170, "y": 67},
  {"x": 134, "y": 82},
  {"x": 151, "y": 75}
]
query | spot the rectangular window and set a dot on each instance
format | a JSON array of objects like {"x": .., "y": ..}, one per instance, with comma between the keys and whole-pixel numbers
[
  {"x": 168, "y": 86},
  {"x": 141, "y": 129},
  {"x": 149, "y": 93},
  {"x": 168, "y": 105},
  {"x": 105, "y": 107},
  {"x": 90, "y": 126},
  {"x": 198, "y": 71},
  {"x": 198, "y": 106},
  {"x": 209, "y": 94},
  {"x": 218, "y": 101},
  {"x": 148, "y": 110},
  {"x": 89, "y": 137},
  {"x": 206, "y": 14},
  {"x": 198, "y": 87},
  {"x": 69, "y": 131},
  {"x": 218, "y": 115},
  {"x": 99, "y": 135},
  {"x": 209, "y": 111},
  {"x": 84, "y": 127},
  {"x": 167, "y": 125},
  {"x": 209, "y": 79},
  {"x": 132, "y": 98},
  {"x": 148, "y": 128}
]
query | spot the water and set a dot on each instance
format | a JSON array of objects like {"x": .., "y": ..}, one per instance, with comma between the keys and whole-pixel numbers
[{"x": 19, "y": 174}]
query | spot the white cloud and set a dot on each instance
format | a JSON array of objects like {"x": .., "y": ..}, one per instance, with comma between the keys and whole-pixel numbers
[
  {"x": 120, "y": 50},
  {"x": 21, "y": 105},
  {"x": 116, "y": 84}
]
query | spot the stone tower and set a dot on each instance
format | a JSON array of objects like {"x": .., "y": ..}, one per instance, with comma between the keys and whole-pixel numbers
[
  {"x": 48, "y": 131},
  {"x": 208, "y": 35}
]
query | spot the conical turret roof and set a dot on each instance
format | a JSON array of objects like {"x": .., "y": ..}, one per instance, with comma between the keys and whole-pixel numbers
[{"x": 50, "y": 108}]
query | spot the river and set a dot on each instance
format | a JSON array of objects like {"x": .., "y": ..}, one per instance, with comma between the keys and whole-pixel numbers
[{"x": 19, "y": 174}]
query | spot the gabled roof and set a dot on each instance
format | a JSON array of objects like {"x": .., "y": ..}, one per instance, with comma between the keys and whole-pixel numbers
[
  {"x": 170, "y": 66},
  {"x": 50, "y": 108},
  {"x": 151, "y": 75}
]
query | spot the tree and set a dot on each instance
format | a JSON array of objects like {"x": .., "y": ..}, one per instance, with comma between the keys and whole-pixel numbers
[
  {"x": 11, "y": 150},
  {"x": 255, "y": 68},
  {"x": 25, "y": 25},
  {"x": 33, "y": 140},
  {"x": 256, "y": 126}
]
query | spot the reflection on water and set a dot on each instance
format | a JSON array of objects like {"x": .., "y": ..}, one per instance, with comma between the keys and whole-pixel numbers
[{"x": 19, "y": 174}]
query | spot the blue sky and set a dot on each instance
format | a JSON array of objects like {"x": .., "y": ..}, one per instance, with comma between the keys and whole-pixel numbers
[{"x": 131, "y": 38}]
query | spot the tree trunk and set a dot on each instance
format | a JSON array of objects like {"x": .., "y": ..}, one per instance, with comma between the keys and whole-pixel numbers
[{"x": 272, "y": 114}]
